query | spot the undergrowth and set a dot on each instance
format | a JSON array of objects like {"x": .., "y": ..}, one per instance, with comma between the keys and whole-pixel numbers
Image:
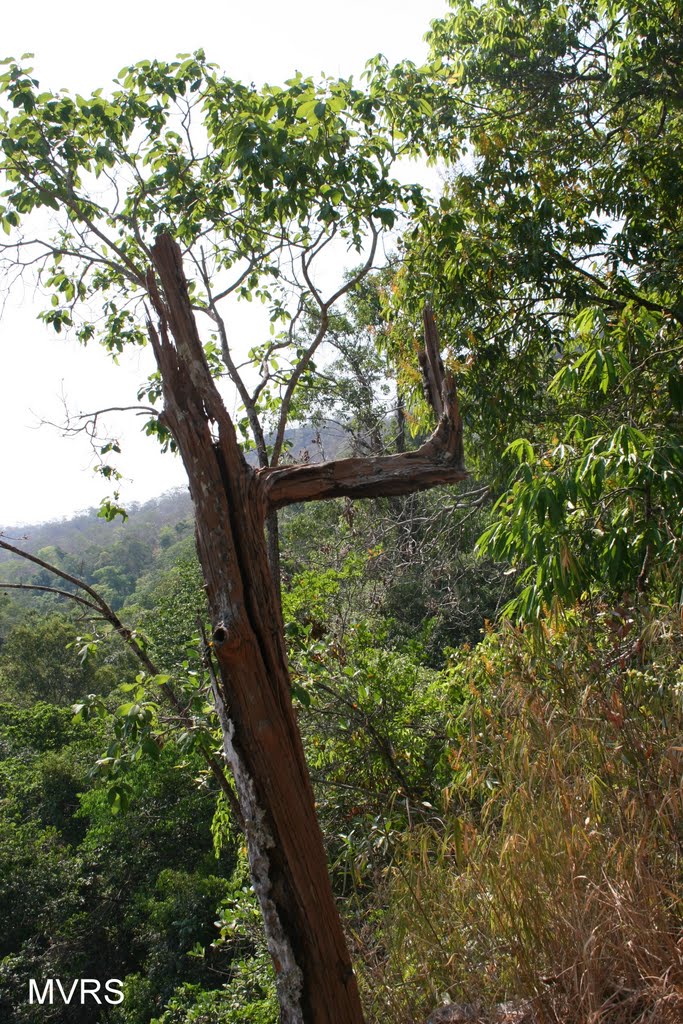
[{"x": 552, "y": 871}]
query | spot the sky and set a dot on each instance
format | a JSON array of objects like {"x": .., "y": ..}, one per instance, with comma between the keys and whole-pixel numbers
[{"x": 79, "y": 46}]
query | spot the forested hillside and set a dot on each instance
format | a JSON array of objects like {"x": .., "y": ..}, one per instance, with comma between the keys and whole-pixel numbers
[{"x": 435, "y": 564}]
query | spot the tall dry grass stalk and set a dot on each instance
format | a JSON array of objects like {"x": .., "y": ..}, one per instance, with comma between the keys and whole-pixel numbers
[{"x": 554, "y": 872}]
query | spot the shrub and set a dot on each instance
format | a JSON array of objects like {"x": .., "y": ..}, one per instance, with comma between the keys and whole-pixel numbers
[{"x": 552, "y": 874}]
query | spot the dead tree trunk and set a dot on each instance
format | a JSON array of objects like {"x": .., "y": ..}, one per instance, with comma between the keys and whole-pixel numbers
[{"x": 315, "y": 980}]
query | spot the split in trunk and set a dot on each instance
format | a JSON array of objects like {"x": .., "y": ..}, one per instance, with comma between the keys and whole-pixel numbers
[{"x": 315, "y": 980}]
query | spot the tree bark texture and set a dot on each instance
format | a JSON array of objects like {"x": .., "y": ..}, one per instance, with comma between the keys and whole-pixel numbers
[
  {"x": 315, "y": 980},
  {"x": 273, "y": 545}
]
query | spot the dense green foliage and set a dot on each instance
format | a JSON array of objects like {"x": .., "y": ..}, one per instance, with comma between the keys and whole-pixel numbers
[
  {"x": 88, "y": 894},
  {"x": 555, "y": 257}
]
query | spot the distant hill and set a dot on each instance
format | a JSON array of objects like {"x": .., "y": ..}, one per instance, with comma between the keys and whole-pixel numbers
[{"x": 85, "y": 531}]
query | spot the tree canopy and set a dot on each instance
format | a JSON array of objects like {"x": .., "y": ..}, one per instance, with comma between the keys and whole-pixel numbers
[
  {"x": 254, "y": 184},
  {"x": 555, "y": 253}
]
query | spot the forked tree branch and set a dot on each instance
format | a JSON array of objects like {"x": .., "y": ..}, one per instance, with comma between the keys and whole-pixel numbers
[
  {"x": 179, "y": 353},
  {"x": 439, "y": 460}
]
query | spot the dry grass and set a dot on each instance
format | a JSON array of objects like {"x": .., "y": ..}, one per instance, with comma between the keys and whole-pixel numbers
[{"x": 554, "y": 872}]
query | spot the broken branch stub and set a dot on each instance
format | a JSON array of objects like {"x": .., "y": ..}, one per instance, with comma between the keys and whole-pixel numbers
[
  {"x": 252, "y": 687},
  {"x": 439, "y": 461},
  {"x": 431, "y": 363}
]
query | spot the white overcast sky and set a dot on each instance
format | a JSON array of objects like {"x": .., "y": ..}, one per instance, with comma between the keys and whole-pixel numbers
[{"x": 82, "y": 46}]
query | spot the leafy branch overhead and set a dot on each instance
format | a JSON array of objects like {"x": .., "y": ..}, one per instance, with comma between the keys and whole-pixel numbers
[{"x": 256, "y": 186}]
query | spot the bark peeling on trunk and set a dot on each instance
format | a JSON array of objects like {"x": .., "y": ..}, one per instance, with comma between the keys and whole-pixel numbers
[
  {"x": 259, "y": 838},
  {"x": 315, "y": 979}
]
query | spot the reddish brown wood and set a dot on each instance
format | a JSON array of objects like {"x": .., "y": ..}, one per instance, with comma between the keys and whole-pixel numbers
[
  {"x": 439, "y": 461},
  {"x": 315, "y": 980},
  {"x": 377, "y": 477}
]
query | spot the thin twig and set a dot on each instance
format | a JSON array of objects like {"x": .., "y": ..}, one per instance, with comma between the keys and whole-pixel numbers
[{"x": 99, "y": 605}]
